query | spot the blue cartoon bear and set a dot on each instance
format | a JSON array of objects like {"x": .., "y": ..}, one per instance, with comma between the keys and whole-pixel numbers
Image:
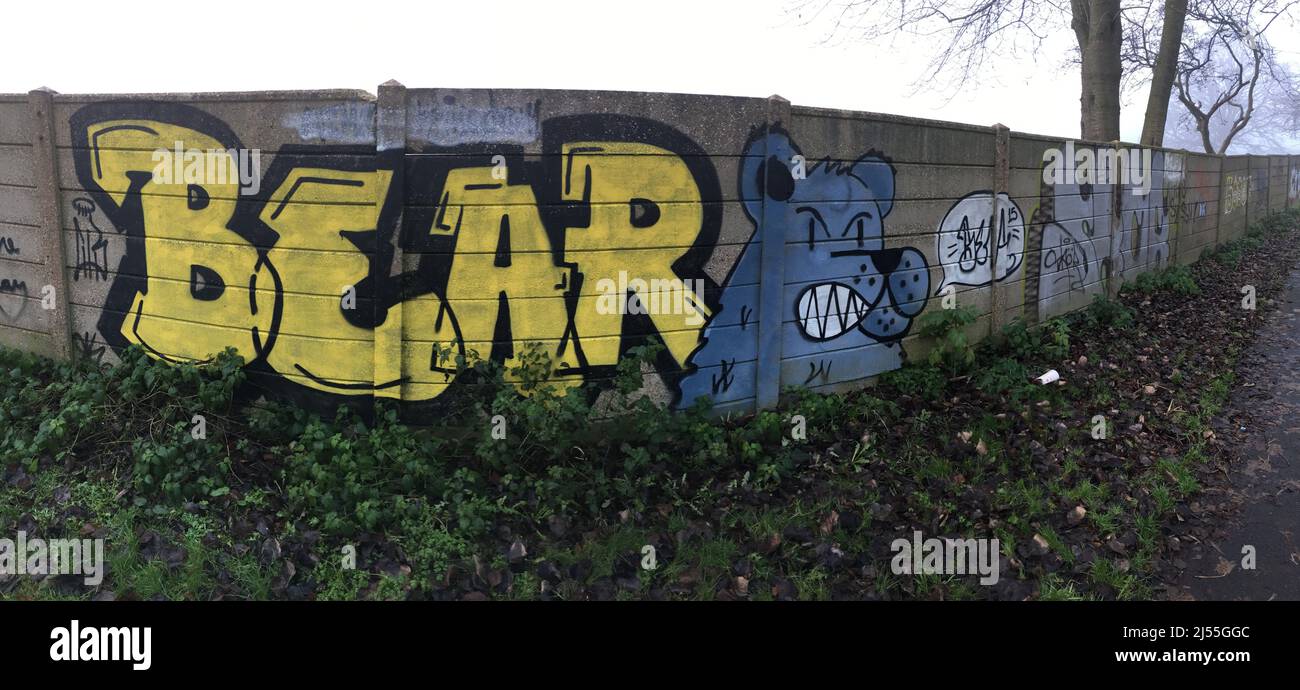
[{"x": 847, "y": 299}]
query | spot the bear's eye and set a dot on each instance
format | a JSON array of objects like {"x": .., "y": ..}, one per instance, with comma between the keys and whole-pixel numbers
[
  {"x": 814, "y": 222},
  {"x": 858, "y": 224}
]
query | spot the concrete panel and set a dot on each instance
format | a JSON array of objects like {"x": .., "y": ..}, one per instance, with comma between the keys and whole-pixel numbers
[
  {"x": 16, "y": 165},
  {"x": 18, "y": 205},
  {"x": 15, "y": 121}
]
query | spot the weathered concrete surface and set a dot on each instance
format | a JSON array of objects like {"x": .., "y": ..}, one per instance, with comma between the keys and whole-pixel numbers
[{"x": 1260, "y": 501}]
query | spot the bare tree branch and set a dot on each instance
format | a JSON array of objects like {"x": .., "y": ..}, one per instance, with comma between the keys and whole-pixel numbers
[{"x": 1227, "y": 64}]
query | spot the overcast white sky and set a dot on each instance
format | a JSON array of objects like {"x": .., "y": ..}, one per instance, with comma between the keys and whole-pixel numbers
[{"x": 734, "y": 47}]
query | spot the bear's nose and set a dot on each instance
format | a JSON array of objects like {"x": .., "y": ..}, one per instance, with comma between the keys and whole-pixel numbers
[{"x": 886, "y": 260}]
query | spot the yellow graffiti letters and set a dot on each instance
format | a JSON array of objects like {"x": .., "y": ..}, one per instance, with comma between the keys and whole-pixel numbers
[
  {"x": 503, "y": 271},
  {"x": 197, "y": 274},
  {"x": 645, "y": 213},
  {"x": 314, "y": 210},
  {"x": 324, "y": 280}
]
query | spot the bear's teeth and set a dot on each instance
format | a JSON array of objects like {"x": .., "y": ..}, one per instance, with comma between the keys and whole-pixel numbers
[{"x": 830, "y": 309}]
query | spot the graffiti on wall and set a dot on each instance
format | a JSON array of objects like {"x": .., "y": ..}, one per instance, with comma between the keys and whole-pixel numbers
[
  {"x": 1234, "y": 193},
  {"x": 91, "y": 246},
  {"x": 88, "y": 346},
  {"x": 1258, "y": 193},
  {"x": 848, "y": 298},
  {"x": 350, "y": 274},
  {"x": 301, "y": 279},
  {"x": 13, "y": 298},
  {"x": 1084, "y": 240},
  {"x": 965, "y": 237},
  {"x": 1143, "y": 241},
  {"x": 1071, "y": 229}
]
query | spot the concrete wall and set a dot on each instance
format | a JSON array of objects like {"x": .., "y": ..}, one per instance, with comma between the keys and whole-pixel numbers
[
  {"x": 340, "y": 241},
  {"x": 23, "y": 254}
]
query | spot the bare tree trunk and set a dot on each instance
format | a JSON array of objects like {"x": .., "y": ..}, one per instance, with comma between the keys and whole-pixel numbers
[
  {"x": 1096, "y": 24},
  {"x": 1203, "y": 127},
  {"x": 1162, "y": 74}
]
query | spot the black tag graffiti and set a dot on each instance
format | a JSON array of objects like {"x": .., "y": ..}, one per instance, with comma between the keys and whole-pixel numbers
[{"x": 92, "y": 248}]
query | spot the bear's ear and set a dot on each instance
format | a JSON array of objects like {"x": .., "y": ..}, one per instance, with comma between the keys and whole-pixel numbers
[
  {"x": 765, "y": 169},
  {"x": 877, "y": 175}
]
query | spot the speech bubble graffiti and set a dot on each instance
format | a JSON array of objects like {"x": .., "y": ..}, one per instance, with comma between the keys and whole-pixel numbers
[{"x": 963, "y": 242}]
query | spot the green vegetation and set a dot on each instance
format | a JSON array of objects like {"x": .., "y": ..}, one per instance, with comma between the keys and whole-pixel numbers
[
  {"x": 952, "y": 351},
  {"x": 1175, "y": 279},
  {"x": 1108, "y": 312}
]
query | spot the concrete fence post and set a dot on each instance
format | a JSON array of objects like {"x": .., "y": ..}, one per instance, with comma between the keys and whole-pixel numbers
[
  {"x": 390, "y": 149},
  {"x": 45, "y": 175},
  {"x": 1113, "y": 282},
  {"x": 1250, "y": 182},
  {"x": 1250, "y": 218},
  {"x": 1001, "y": 185},
  {"x": 1291, "y": 174},
  {"x": 771, "y": 283},
  {"x": 1252, "y": 194},
  {"x": 1176, "y": 230}
]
